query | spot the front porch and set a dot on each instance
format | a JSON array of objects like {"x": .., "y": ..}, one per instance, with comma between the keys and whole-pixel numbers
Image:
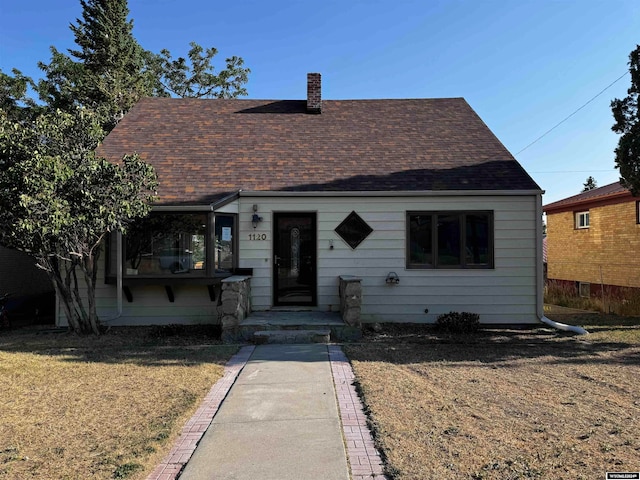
[{"x": 280, "y": 325}]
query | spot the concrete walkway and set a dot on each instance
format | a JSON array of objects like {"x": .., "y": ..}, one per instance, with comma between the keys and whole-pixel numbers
[{"x": 279, "y": 412}]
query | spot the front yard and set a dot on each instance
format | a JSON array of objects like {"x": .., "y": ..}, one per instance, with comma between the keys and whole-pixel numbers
[
  {"x": 102, "y": 408},
  {"x": 505, "y": 404}
]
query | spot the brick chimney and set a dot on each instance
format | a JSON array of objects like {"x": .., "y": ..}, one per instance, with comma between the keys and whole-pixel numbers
[{"x": 314, "y": 93}]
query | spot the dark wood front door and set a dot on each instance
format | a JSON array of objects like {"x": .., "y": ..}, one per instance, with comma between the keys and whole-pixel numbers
[{"x": 294, "y": 259}]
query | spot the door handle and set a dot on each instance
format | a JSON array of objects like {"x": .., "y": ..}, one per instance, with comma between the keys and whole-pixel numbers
[{"x": 276, "y": 260}]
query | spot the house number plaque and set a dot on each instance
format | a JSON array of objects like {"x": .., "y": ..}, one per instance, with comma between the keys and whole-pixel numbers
[{"x": 257, "y": 237}]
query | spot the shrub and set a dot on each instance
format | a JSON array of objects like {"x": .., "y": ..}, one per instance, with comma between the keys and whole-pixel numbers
[{"x": 459, "y": 322}]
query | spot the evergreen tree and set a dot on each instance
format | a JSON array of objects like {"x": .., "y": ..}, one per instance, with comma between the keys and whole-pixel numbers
[
  {"x": 108, "y": 74},
  {"x": 590, "y": 184},
  {"x": 626, "y": 113},
  {"x": 109, "y": 71}
]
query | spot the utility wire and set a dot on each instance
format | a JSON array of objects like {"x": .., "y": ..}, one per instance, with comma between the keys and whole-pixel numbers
[
  {"x": 571, "y": 171},
  {"x": 567, "y": 118}
]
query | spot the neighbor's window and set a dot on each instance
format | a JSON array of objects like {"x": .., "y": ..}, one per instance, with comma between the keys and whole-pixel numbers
[
  {"x": 450, "y": 239},
  {"x": 584, "y": 289},
  {"x": 582, "y": 219}
]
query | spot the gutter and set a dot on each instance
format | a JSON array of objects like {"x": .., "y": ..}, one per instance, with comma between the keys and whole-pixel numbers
[
  {"x": 540, "y": 279},
  {"x": 209, "y": 207},
  {"x": 387, "y": 193}
]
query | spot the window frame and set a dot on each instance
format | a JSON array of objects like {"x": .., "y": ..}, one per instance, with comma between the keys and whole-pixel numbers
[
  {"x": 582, "y": 286},
  {"x": 461, "y": 214},
  {"x": 209, "y": 272},
  {"x": 582, "y": 214}
]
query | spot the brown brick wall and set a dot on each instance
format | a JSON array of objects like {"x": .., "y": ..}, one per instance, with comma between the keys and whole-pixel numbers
[{"x": 607, "y": 252}]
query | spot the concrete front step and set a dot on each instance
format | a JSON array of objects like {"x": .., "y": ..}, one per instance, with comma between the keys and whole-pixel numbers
[
  {"x": 291, "y": 336},
  {"x": 292, "y": 323}
]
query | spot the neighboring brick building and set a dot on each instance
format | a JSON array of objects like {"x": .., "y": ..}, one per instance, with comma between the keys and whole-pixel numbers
[{"x": 593, "y": 239}]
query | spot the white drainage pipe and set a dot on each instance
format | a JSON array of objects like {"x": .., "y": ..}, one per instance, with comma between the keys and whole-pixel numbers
[{"x": 564, "y": 326}]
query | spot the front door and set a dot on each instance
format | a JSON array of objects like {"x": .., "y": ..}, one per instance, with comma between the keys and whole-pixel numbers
[{"x": 294, "y": 258}]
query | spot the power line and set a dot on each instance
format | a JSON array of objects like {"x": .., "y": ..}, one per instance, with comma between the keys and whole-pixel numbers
[
  {"x": 572, "y": 171},
  {"x": 567, "y": 118}
]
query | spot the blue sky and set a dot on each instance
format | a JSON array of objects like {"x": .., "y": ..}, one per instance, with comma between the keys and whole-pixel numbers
[{"x": 523, "y": 65}]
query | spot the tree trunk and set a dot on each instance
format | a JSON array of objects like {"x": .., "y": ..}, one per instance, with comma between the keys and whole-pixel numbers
[
  {"x": 66, "y": 286},
  {"x": 64, "y": 296},
  {"x": 87, "y": 267}
]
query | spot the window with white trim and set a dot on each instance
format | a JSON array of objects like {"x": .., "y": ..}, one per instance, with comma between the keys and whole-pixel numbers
[{"x": 582, "y": 219}]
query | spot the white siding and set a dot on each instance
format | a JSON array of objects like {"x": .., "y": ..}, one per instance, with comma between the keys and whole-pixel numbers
[
  {"x": 505, "y": 294},
  {"x": 151, "y": 305}
]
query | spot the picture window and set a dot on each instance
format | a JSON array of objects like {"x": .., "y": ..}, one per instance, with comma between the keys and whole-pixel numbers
[{"x": 450, "y": 239}]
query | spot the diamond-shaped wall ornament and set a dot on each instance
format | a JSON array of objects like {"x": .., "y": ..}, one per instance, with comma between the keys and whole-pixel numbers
[{"x": 353, "y": 230}]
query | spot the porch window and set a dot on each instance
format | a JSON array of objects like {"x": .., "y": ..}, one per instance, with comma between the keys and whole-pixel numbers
[
  {"x": 166, "y": 244},
  {"x": 177, "y": 245},
  {"x": 450, "y": 239}
]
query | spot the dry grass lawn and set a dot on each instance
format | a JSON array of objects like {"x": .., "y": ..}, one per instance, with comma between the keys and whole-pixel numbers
[
  {"x": 101, "y": 408},
  {"x": 505, "y": 404}
]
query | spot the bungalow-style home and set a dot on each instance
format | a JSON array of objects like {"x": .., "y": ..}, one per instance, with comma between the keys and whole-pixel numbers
[
  {"x": 594, "y": 240},
  {"x": 414, "y": 203}
]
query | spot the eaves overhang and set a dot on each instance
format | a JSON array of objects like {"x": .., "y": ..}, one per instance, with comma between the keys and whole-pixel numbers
[
  {"x": 612, "y": 199},
  {"x": 386, "y": 193}
]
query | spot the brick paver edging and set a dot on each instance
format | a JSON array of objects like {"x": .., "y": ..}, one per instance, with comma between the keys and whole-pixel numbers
[
  {"x": 194, "y": 429},
  {"x": 364, "y": 459}
]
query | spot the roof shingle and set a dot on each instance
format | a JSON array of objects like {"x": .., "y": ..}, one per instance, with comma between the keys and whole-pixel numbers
[{"x": 205, "y": 149}]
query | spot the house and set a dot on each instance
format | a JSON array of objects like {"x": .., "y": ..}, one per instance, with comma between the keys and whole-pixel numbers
[
  {"x": 594, "y": 240},
  {"x": 415, "y": 201},
  {"x": 31, "y": 298}
]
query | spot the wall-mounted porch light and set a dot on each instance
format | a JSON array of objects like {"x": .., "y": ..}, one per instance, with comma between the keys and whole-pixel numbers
[
  {"x": 392, "y": 278},
  {"x": 255, "y": 218}
]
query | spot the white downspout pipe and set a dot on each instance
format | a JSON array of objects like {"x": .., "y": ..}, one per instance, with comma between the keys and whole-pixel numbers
[
  {"x": 118, "y": 279},
  {"x": 563, "y": 326},
  {"x": 540, "y": 279}
]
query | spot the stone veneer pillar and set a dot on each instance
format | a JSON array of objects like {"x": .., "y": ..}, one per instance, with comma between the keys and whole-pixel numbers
[
  {"x": 350, "y": 299},
  {"x": 236, "y": 304}
]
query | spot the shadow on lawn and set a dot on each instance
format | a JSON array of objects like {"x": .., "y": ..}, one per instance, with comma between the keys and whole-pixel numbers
[
  {"x": 404, "y": 344},
  {"x": 144, "y": 346}
]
